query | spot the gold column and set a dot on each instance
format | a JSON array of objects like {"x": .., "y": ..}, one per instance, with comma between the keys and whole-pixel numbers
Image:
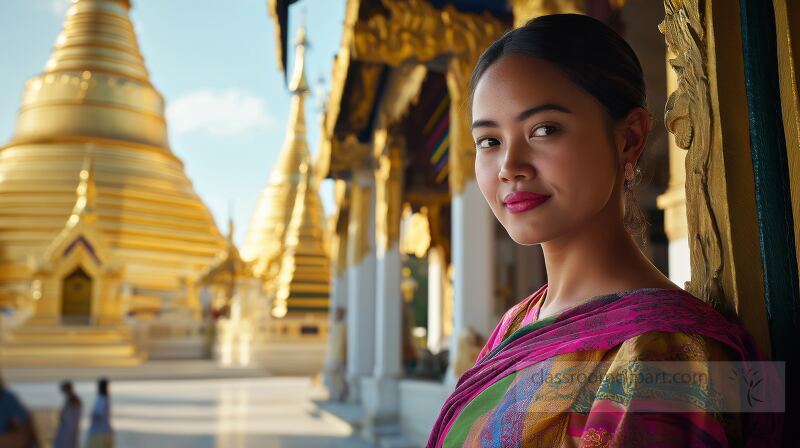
[
  {"x": 358, "y": 224},
  {"x": 707, "y": 113},
  {"x": 338, "y": 245},
  {"x": 470, "y": 35},
  {"x": 388, "y": 189},
  {"x": 787, "y": 23},
  {"x": 462, "y": 147}
]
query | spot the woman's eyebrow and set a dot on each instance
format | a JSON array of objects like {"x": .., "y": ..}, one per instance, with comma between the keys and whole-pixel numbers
[
  {"x": 484, "y": 124},
  {"x": 525, "y": 114},
  {"x": 522, "y": 116}
]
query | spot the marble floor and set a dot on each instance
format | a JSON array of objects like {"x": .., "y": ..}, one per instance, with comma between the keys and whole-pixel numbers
[{"x": 208, "y": 413}]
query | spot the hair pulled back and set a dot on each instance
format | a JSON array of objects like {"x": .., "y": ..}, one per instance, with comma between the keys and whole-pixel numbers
[{"x": 595, "y": 58}]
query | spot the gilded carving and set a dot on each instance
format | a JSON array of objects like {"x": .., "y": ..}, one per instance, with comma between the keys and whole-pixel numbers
[
  {"x": 525, "y": 10},
  {"x": 348, "y": 154},
  {"x": 415, "y": 231},
  {"x": 462, "y": 147},
  {"x": 411, "y": 31},
  {"x": 339, "y": 241},
  {"x": 358, "y": 231},
  {"x": 401, "y": 90},
  {"x": 416, "y": 31},
  {"x": 389, "y": 184},
  {"x": 687, "y": 116}
]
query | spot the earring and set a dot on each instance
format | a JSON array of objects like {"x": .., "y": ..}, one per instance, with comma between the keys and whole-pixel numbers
[{"x": 629, "y": 171}]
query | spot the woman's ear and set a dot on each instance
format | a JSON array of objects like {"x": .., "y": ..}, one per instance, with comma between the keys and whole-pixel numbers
[{"x": 634, "y": 130}]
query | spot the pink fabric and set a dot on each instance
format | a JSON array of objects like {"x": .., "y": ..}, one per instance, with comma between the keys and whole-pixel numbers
[{"x": 601, "y": 324}]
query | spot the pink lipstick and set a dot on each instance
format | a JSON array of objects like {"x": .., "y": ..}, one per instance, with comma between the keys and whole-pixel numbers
[{"x": 522, "y": 201}]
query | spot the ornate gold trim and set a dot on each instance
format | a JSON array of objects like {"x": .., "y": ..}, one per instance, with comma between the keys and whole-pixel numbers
[
  {"x": 787, "y": 24},
  {"x": 389, "y": 149},
  {"x": 416, "y": 31},
  {"x": 707, "y": 114}
]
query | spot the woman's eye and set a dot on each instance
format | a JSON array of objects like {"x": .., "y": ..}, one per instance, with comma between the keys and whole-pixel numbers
[
  {"x": 486, "y": 143},
  {"x": 544, "y": 130}
]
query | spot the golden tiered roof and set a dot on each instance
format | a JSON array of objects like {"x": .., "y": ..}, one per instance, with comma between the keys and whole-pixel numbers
[
  {"x": 286, "y": 241},
  {"x": 264, "y": 242},
  {"x": 228, "y": 265},
  {"x": 95, "y": 97},
  {"x": 304, "y": 279}
]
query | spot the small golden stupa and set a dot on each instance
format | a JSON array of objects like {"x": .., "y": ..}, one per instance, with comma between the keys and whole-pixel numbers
[
  {"x": 285, "y": 241},
  {"x": 94, "y": 99},
  {"x": 303, "y": 284}
]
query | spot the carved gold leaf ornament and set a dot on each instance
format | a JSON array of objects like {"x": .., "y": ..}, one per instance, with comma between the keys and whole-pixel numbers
[
  {"x": 688, "y": 116},
  {"x": 415, "y": 232},
  {"x": 414, "y": 30}
]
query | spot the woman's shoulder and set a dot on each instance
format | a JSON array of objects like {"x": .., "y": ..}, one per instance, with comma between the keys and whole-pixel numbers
[{"x": 674, "y": 346}]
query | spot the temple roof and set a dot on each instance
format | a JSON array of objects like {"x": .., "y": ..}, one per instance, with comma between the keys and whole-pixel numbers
[
  {"x": 279, "y": 10},
  {"x": 228, "y": 265}
]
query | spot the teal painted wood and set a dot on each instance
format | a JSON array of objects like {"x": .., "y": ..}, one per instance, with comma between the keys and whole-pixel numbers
[
  {"x": 771, "y": 172},
  {"x": 773, "y": 197}
]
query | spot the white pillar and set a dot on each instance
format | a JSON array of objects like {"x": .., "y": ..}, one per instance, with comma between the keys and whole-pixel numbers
[
  {"x": 333, "y": 363},
  {"x": 473, "y": 236},
  {"x": 436, "y": 279},
  {"x": 389, "y": 307},
  {"x": 680, "y": 264},
  {"x": 361, "y": 283},
  {"x": 381, "y": 393}
]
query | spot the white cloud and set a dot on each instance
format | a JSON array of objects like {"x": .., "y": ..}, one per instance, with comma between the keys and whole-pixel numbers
[
  {"x": 59, "y": 7},
  {"x": 219, "y": 113}
]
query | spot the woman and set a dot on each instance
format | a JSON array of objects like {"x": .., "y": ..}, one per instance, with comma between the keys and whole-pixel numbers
[
  {"x": 559, "y": 121},
  {"x": 69, "y": 421},
  {"x": 100, "y": 433}
]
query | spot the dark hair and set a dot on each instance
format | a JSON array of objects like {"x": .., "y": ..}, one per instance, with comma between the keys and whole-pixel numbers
[
  {"x": 102, "y": 386},
  {"x": 594, "y": 57}
]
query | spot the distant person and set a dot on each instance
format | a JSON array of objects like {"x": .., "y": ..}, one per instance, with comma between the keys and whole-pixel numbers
[
  {"x": 69, "y": 421},
  {"x": 16, "y": 425},
  {"x": 100, "y": 433}
]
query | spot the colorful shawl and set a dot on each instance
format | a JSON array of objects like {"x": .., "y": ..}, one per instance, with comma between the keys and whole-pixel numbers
[{"x": 503, "y": 401}]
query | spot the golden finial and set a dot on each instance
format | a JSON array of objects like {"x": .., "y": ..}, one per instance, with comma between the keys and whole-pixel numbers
[{"x": 299, "y": 85}]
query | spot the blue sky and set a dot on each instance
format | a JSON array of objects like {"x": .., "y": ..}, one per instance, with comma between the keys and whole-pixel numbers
[{"x": 214, "y": 62}]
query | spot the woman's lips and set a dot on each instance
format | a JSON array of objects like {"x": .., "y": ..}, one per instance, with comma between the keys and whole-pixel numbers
[{"x": 522, "y": 201}]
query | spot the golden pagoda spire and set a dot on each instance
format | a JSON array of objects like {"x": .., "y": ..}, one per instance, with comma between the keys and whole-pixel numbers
[
  {"x": 93, "y": 111},
  {"x": 94, "y": 84},
  {"x": 303, "y": 282},
  {"x": 295, "y": 148},
  {"x": 264, "y": 243},
  {"x": 98, "y": 36}
]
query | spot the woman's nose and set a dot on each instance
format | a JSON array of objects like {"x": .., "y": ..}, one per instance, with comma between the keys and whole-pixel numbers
[{"x": 516, "y": 164}]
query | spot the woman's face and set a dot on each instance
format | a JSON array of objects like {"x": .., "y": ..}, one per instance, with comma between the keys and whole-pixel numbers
[{"x": 539, "y": 134}]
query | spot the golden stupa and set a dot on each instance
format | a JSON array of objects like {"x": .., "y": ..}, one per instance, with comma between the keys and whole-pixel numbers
[
  {"x": 303, "y": 284},
  {"x": 94, "y": 99},
  {"x": 285, "y": 241}
]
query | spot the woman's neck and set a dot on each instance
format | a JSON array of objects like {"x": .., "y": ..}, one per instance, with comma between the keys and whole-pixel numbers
[{"x": 601, "y": 258}]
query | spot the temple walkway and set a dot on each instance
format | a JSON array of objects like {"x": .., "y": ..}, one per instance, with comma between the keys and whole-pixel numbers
[{"x": 206, "y": 413}]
